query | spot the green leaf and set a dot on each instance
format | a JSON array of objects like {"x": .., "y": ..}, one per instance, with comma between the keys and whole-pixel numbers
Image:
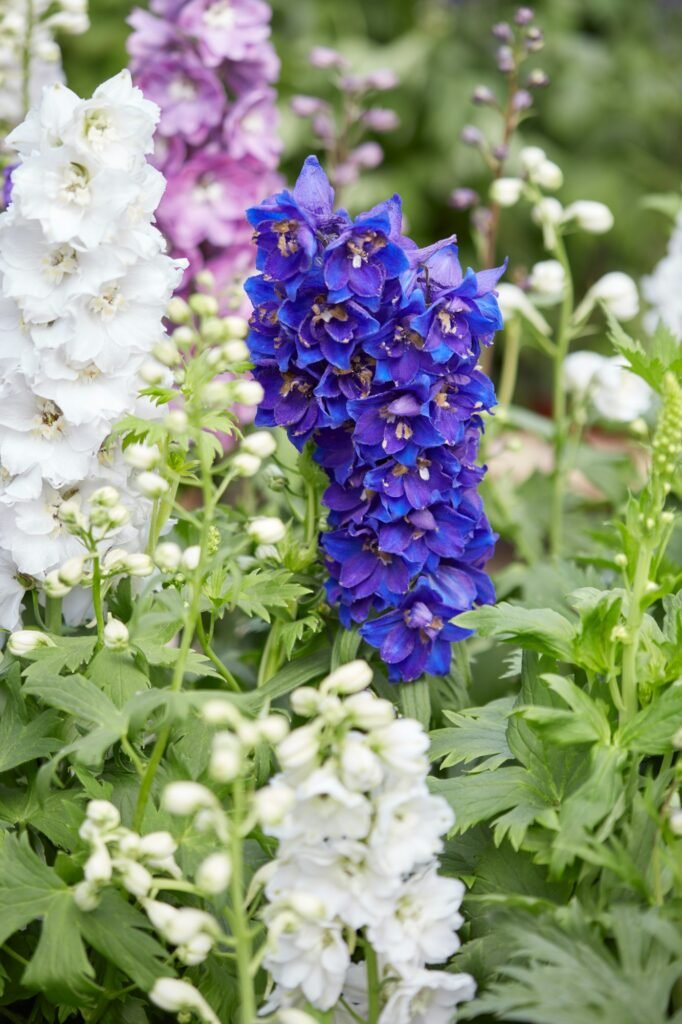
[
  {"x": 25, "y": 741},
  {"x": 476, "y": 798},
  {"x": 415, "y": 699},
  {"x": 59, "y": 967},
  {"x": 258, "y": 592},
  {"x": 293, "y": 633},
  {"x": 667, "y": 203},
  {"x": 599, "y": 612},
  {"x": 120, "y": 933},
  {"x": 479, "y": 735},
  {"x": 536, "y": 629},
  {"x": 296, "y": 673},
  {"x": 69, "y": 652},
  {"x": 651, "y": 731},
  {"x": 27, "y": 886},
  {"x": 81, "y": 698},
  {"x": 662, "y": 354},
  {"x": 117, "y": 675},
  {"x": 157, "y": 653},
  {"x": 587, "y": 722}
]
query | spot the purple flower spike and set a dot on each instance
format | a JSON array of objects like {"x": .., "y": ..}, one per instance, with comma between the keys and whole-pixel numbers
[{"x": 367, "y": 347}]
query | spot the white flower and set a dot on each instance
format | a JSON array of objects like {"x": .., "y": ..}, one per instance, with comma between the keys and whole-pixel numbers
[
  {"x": 618, "y": 292},
  {"x": 11, "y": 593},
  {"x": 662, "y": 288},
  {"x": 266, "y": 530},
  {"x": 325, "y": 809},
  {"x": 214, "y": 873},
  {"x": 593, "y": 217},
  {"x": 619, "y": 394},
  {"x": 427, "y": 997},
  {"x": 116, "y": 634},
  {"x": 260, "y": 443},
  {"x": 360, "y": 768},
  {"x": 25, "y": 641},
  {"x": 580, "y": 369},
  {"x": 548, "y": 279},
  {"x": 179, "y": 996},
  {"x": 531, "y": 157},
  {"x": 353, "y": 677},
  {"x": 506, "y": 191},
  {"x": 422, "y": 925},
  {"x": 273, "y": 802},
  {"x": 313, "y": 957},
  {"x": 547, "y": 175},
  {"x": 184, "y": 798},
  {"x": 402, "y": 746},
  {"x": 407, "y": 829}
]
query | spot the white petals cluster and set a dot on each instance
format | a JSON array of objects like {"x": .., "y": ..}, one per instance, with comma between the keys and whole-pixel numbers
[
  {"x": 84, "y": 282},
  {"x": 359, "y": 835},
  {"x": 662, "y": 288},
  {"x": 119, "y": 854},
  {"x": 615, "y": 392},
  {"x": 29, "y": 55}
]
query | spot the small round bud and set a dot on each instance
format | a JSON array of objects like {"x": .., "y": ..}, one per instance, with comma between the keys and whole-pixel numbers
[
  {"x": 677, "y": 740},
  {"x": 506, "y": 191},
  {"x": 86, "y": 896},
  {"x": 248, "y": 392},
  {"x": 503, "y": 32},
  {"x": 116, "y": 635},
  {"x": 261, "y": 443},
  {"x": 548, "y": 211},
  {"x": 152, "y": 374},
  {"x": 70, "y": 514},
  {"x": 667, "y": 517},
  {"x": 595, "y": 218},
  {"x": 214, "y": 873},
  {"x": 353, "y": 677},
  {"x": 185, "y": 798},
  {"x": 537, "y": 79},
  {"x": 524, "y": 16},
  {"x": 53, "y": 586},
  {"x": 236, "y": 351},
  {"x": 299, "y": 748},
  {"x": 72, "y": 571},
  {"x": 176, "y": 421},
  {"x": 107, "y": 497},
  {"x": 135, "y": 878},
  {"x": 191, "y": 557},
  {"x": 166, "y": 352},
  {"x": 483, "y": 96},
  {"x": 98, "y": 868},
  {"x": 178, "y": 311},
  {"x": 621, "y": 559},
  {"x": 675, "y": 822},
  {"x": 227, "y": 757},
  {"x": 266, "y": 530},
  {"x": 548, "y": 278},
  {"x": 152, "y": 485},
  {"x": 203, "y": 305},
  {"x": 25, "y": 641},
  {"x": 273, "y": 728},
  {"x": 167, "y": 556},
  {"x": 142, "y": 456},
  {"x": 157, "y": 846},
  {"x": 237, "y": 327},
  {"x": 245, "y": 464},
  {"x": 548, "y": 175},
  {"x": 184, "y": 336},
  {"x": 218, "y": 711},
  {"x": 471, "y": 135},
  {"x": 205, "y": 279},
  {"x": 305, "y": 701},
  {"x": 139, "y": 564},
  {"x": 368, "y": 711},
  {"x": 463, "y": 198},
  {"x": 273, "y": 803}
]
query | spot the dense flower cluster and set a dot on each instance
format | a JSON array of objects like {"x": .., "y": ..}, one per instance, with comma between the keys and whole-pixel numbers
[
  {"x": 369, "y": 346},
  {"x": 209, "y": 64},
  {"x": 84, "y": 282},
  {"x": 359, "y": 834},
  {"x": 29, "y": 55}
]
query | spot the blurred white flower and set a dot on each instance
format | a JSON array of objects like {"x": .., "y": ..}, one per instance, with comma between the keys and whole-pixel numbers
[
  {"x": 662, "y": 288},
  {"x": 593, "y": 217},
  {"x": 548, "y": 279},
  {"x": 506, "y": 191}
]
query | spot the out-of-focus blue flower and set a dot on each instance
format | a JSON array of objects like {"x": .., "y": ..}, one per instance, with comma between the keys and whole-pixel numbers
[{"x": 368, "y": 346}]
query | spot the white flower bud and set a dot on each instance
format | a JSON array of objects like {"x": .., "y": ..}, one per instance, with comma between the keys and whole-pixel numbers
[
  {"x": 619, "y": 294},
  {"x": 187, "y": 923},
  {"x": 248, "y": 392},
  {"x": 236, "y": 326},
  {"x": 98, "y": 867},
  {"x": 266, "y": 530},
  {"x": 291, "y": 1016},
  {"x": 178, "y": 996},
  {"x": 675, "y": 822},
  {"x": 116, "y": 635},
  {"x": 103, "y": 814},
  {"x": 86, "y": 896},
  {"x": 548, "y": 278},
  {"x": 595, "y": 218},
  {"x": 216, "y": 394},
  {"x": 273, "y": 728},
  {"x": 506, "y": 191},
  {"x": 220, "y": 712},
  {"x": 185, "y": 798},
  {"x": 25, "y": 641},
  {"x": 107, "y": 497},
  {"x": 167, "y": 556},
  {"x": 245, "y": 464},
  {"x": 176, "y": 421},
  {"x": 205, "y": 278},
  {"x": 261, "y": 443},
  {"x": 135, "y": 878},
  {"x": 273, "y": 803},
  {"x": 235, "y": 351},
  {"x": 152, "y": 485},
  {"x": 157, "y": 845},
  {"x": 267, "y": 552},
  {"x": 70, "y": 514},
  {"x": 115, "y": 560},
  {"x": 142, "y": 456},
  {"x": 152, "y": 374},
  {"x": 178, "y": 311},
  {"x": 53, "y": 586},
  {"x": 166, "y": 352},
  {"x": 548, "y": 211},
  {"x": 305, "y": 701},
  {"x": 203, "y": 305},
  {"x": 139, "y": 564},
  {"x": 350, "y": 678},
  {"x": 531, "y": 157},
  {"x": 195, "y": 951},
  {"x": 299, "y": 748},
  {"x": 129, "y": 845},
  {"x": 214, "y": 873},
  {"x": 548, "y": 175},
  {"x": 191, "y": 557},
  {"x": 368, "y": 711},
  {"x": 160, "y": 914},
  {"x": 227, "y": 757}
]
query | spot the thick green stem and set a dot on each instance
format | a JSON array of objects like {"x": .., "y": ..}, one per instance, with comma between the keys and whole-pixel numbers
[
  {"x": 97, "y": 598},
  {"x": 215, "y": 660},
  {"x": 632, "y": 626},
  {"x": 510, "y": 362},
  {"x": 53, "y": 615},
  {"x": 239, "y": 917},
  {"x": 559, "y": 405},
  {"x": 373, "y": 990}
]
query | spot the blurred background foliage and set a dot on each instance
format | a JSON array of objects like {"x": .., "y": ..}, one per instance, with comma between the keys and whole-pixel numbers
[{"x": 611, "y": 116}]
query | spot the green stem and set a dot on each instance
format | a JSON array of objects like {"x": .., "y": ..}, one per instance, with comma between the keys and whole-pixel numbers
[
  {"x": 53, "y": 616},
  {"x": 215, "y": 660},
  {"x": 269, "y": 662},
  {"x": 97, "y": 597},
  {"x": 559, "y": 404},
  {"x": 510, "y": 362},
  {"x": 26, "y": 59},
  {"x": 189, "y": 629},
  {"x": 632, "y": 625},
  {"x": 240, "y": 920},
  {"x": 373, "y": 993}
]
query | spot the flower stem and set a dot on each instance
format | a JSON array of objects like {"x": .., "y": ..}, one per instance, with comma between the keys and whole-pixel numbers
[
  {"x": 373, "y": 994},
  {"x": 632, "y": 625},
  {"x": 559, "y": 404},
  {"x": 53, "y": 615},
  {"x": 97, "y": 597},
  {"x": 240, "y": 921},
  {"x": 215, "y": 660},
  {"x": 510, "y": 362}
]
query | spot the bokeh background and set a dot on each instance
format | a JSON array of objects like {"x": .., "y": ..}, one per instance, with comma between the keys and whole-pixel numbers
[{"x": 611, "y": 117}]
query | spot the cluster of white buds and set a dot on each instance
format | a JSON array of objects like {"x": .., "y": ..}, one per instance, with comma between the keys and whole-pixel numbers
[
  {"x": 30, "y": 58},
  {"x": 84, "y": 282},
  {"x": 118, "y": 854},
  {"x": 359, "y": 835}
]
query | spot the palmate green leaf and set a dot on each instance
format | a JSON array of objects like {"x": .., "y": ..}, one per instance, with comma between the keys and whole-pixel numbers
[
  {"x": 599, "y": 612},
  {"x": 480, "y": 797},
  {"x": 651, "y": 731},
  {"x": 479, "y": 734},
  {"x": 69, "y": 652},
  {"x": 296, "y": 632},
  {"x": 158, "y": 653},
  {"x": 22, "y": 741},
  {"x": 586, "y": 722},
  {"x": 661, "y": 355},
  {"x": 561, "y": 971},
  {"x": 30, "y": 889},
  {"x": 79, "y": 697},
  {"x": 57, "y": 816},
  {"x": 258, "y": 592},
  {"x": 536, "y": 629},
  {"x": 117, "y": 675}
]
